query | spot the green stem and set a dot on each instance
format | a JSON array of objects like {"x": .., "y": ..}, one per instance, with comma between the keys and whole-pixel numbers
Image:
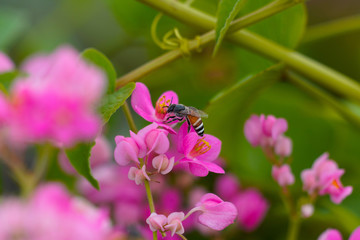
[
  {"x": 41, "y": 164},
  {"x": 294, "y": 227},
  {"x": 316, "y": 71},
  {"x": 129, "y": 117},
  {"x": 332, "y": 28},
  {"x": 344, "y": 111},
  {"x": 242, "y": 22}
]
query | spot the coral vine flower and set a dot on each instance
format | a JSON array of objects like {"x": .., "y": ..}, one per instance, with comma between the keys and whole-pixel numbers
[
  {"x": 6, "y": 64},
  {"x": 174, "y": 223},
  {"x": 163, "y": 164},
  {"x": 141, "y": 103},
  {"x": 138, "y": 175},
  {"x": 330, "y": 234},
  {"x": 215, "y": 213},
  {"x": 283, "y": 175},
  {"x": 53, "y": 99},
  {"x": 199, "y": 152},
  {"x": 227, "y": 186},
  {"x": 324, "y": 177},
  {"x": 264, "y": 131},
  {"x": 156, "y": 222}
]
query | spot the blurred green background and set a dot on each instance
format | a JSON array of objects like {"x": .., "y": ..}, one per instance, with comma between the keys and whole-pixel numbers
[{"x": 121, "y": 30}]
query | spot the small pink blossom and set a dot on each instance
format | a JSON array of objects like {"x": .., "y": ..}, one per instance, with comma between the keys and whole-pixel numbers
[
  {"x": 100, "y": 153},
  {"x": 227, "y": 186},
  {"x": 138, "y": 175},
  {"x": 141, "y": 103},
  {"x": 6, "y": 64},
  {"x": 215, "y": 213},
  {"x": 283, "y": 175},
  {"x": 355, "y": 234},
  {"x": 199, "y": 153},
  {"x": 324, "y": 177},
  {"x": 174, "y": 223},
  {"x": 53, "y": 99},
  {"x": 264, "y": 131},
  {"x": 163, "y": 164},
  {"x": 126, "y": 150},
  {"x": 330, "y": 234},
  {"x": 156, "y": 222},
  {"x": 155, "y": 139},
  {"x": 307, "y": 210},
  {"x": 283, "y": 146},
  {"x": 252, "y": 208}
]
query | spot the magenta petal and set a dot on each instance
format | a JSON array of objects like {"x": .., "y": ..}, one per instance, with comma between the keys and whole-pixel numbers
[
  {"x": 212, "y": 167},
  {"x": 180, "y": 137},
  {"x": 279, "y": 128},
  {"x": 189, "y": 142},
  {"x": 355, "y": 235},
  {"x": 330, "y": 234},
  {"x": 253, "y": 130},
  {"x": 167, "y": 128},
  {"x": 161, "y": 143},
  {"x": 5, "y": 63},
  {"x": 141, "y": 102},
  {"x": 140, "y": 143},
  {"x": 124, "y": 153},
  {"x": 338, "y": 198},
  {"x": 219, "y": 217},
  {"x": 198, "y": 169},
  {"x": 171, "y": 95},
  {"x": 214, "y": 151},
  {"x": 144, "y": 131}
]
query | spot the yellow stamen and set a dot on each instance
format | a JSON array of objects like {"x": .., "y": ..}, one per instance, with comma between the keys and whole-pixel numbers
[
  {"x": 160, "y": 105},
  {"x": 200, "y": 147},
  {"x": 335, "y": 184}
]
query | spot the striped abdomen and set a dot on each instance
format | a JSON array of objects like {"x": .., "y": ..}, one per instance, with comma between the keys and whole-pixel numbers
[{"x": 197, "y": 125}]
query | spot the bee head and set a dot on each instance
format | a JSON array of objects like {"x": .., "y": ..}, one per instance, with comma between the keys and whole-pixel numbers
[{"x": 171, "y": 108}]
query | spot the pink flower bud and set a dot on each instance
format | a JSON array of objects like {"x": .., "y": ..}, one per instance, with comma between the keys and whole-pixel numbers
[
  {"x": 330, "y": 234},
  {"x": 283, "y": 175},
  {"x": 283, "y": 146},
  {"x": 307, "y": 210},
  {"x": 126, "y": 150},
  {"x": 163, "y": 164},
  {"x": 252, "y": 208},
  {"x": 139, "y": 175},
  {"x": 174, "y": 223},
  {"x": 6, "y": 64},
  {"x": 156, "y": 222},
  {"x": 216, "y": 214}
]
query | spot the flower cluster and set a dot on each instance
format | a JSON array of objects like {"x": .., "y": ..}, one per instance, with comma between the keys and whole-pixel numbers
[
  {"x": 51, "y": 95},
  {"x": 51, "y": 208},
  {"x": 324, "y": 178}
]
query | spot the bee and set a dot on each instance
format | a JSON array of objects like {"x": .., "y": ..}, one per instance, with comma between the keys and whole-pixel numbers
[{"x": 192, "y": 115}]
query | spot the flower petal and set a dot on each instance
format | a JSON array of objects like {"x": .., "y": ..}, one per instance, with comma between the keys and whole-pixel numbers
[
  {"x": 355, "y": 235},
  {"x": 124, "y": 153},
  {"x": 214, "y": 151},
  {"x": 141, "y": 102},
  {"x": 189, "y": 142}
]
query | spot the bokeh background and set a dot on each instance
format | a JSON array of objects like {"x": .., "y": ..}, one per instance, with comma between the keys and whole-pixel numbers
[{"x": 121, "y": 30}]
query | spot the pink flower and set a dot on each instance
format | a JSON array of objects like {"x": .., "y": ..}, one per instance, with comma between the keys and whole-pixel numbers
[
  {"x": 155, "y": 139},
  {"x": 264, "y": 131},
  {"x": 227, "y": 186},
  {"x": 53, "y": 99},
  {"x": 199, "y": 153},
  {"x": 163, "y": 164},
  {"x": 51, "y": 208},
  {"x": 6, "y": 64},
  {"x": 100, "y": 153},
  {"x": 141, "y": 103},
  {"x": 324, "y": 177},
  {"x": 215, "y": 213},
  {"x": 307, "y": 210},
  {"x": 174, "y": 223},
  {"x": 138, "y": 175},
  {"x": 330, "y": 234},
  {"x": 283, "y": 175},
  {"x": 355, "y": 234},
  {"x": 156, "y": 222},
  {"x": 252, "y": 208},
  {"x": 126, "y": 151},
  {"x": 283, "y": 146}
]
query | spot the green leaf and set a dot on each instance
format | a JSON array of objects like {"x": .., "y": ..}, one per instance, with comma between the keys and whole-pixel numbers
[
  {"x": 100, "y": 60},
  {"x": 6, "y": 79},
  {"x": 79, "y": 157},
  {"x": 285, "y": 28},
  {"x": 226, "y": 12},
  {"x": 114, "y": 101},
  {"x": 12, "y": 23},
  {"x": 228, "y": 111}
]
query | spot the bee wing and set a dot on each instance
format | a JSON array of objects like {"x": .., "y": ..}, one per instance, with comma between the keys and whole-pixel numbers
[{"x": 197, "y": 113}]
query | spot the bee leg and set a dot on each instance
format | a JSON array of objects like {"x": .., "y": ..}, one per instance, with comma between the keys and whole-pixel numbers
[
  {"x": 188, "y": 122},
  {"x": 170, "y": 117}
]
